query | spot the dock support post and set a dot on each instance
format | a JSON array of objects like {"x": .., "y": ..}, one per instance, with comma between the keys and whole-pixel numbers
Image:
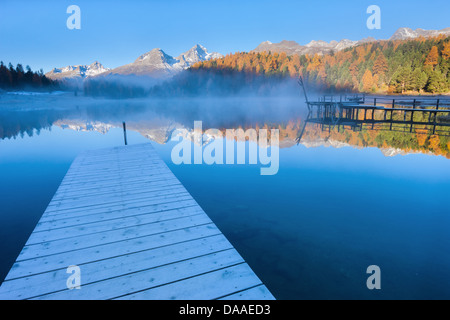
[{"x": 125, "y": 133}]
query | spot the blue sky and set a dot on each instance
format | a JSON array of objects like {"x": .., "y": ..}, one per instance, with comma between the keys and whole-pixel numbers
[{"x": 117, "y": 32}]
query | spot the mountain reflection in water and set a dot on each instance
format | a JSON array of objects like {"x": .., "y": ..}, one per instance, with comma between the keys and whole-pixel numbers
[{"x": 157, "y": 119}]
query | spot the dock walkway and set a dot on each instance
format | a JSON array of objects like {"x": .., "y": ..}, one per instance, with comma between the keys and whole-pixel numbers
[{"x": 123, "y": 218}]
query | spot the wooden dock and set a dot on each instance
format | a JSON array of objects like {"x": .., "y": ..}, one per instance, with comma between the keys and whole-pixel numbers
[
  {"x": 356, "y": 112},
  {"x": 127, "y": 222}
]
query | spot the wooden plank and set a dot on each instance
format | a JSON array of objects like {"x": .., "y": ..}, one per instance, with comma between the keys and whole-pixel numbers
[
  {"x": 106, "y": 251},
  {"x": 232, "y": 279},
  {"x": 114, "y": 189},
  {"x": 258, "y": 292},
  {"x": 73, "y": 203},
  {"x": 108, "y": 225},
  {"x": 155, "y": 206},
  {"x": 134, "y": 231},
  {"x": 68, "y": 220},
  {"x": 124, "y": 204},
  {"x": 52, "y": 247},
  {"x": 113, "y": 178},
  {"x": 114, "y": 287},
  {"x": 96, "y": 185},
  {"x": 55, "y": 281},
  {"x": 90, "y": 171},
  {"x": 85, "y": 223}
]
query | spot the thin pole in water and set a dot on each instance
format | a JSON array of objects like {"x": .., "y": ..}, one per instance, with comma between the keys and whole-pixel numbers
[
  {"x": 301, "y": 83},
  {"x": 125, "y": 132}
]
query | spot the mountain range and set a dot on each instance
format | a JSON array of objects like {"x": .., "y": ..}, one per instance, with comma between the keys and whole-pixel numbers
[
  {"x": 320, "y": 46},
  {"x": 155, "y": 63},
  {"x": 158, "y": 64},
  {"x": 408, "y": 33},
  {"x": 77, "y": 72},
  {"x": 323, "y": 47}
]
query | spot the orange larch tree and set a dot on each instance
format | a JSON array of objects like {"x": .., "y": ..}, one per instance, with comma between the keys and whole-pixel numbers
[
  {"x": 381, "y": 65},
  {"x": 367, "y": 81},
  {"x": 446, "y": 51},
  {"x": 433, "y": 57}
]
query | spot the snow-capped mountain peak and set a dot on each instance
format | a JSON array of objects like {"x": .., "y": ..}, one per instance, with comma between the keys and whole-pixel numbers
[
  {"x": 158, "y": 64},
  {"x": 318, "y": 43},
  {"x": 404, "y": 33},
  {"x": 408, "y": 33},
  {"x": 196, "y": 54},
  {"x": 155, "y": 56},
  {"x": 77, "y": 71}
]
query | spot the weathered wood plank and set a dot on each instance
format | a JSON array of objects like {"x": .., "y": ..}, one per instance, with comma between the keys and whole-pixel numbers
[
  {"x": 127, "y": 203},
  {"x": 231, "y": 279},
  {"x": 73, "y": 203},
  {"x": 87, "y": 224},
  {"x": 159, "y": 205},
  {"x": 54, "y": 281},
  {"x": 96, "y": 185},
  {"x": 110, "y": 250},
  {"x": 67, "y": 220},
  {"x": 78, "y": 242},
  {"x": 255, "y": 293},
  {"x": 115, "y": 188},
  {"x": 149, "y": 278}
]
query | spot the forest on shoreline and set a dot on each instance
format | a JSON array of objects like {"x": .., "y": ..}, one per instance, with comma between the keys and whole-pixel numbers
[
  {"x": 394, "y": 67},
  {"x": 20, "y": 78},
  {"x": 417, "y": 66}
]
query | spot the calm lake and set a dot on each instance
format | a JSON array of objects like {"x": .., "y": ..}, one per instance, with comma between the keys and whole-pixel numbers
[{"x": 340, "y": 202}]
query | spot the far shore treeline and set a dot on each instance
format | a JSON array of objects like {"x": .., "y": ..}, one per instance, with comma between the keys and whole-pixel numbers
[
  {"x": 18, "y": 78},
  {"x": 417, "y": 66}
]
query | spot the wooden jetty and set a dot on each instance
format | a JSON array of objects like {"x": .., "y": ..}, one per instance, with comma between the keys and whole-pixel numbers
[
  {"x": 123, "y": 218},
  {"x": 356, "y": 111}
]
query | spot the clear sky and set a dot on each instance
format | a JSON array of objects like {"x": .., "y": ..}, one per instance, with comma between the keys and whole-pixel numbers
[{"x": 117, "y": 32}]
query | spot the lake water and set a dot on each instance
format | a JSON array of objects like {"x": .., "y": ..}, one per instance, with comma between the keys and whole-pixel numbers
[{"x": 339, "y": 203}]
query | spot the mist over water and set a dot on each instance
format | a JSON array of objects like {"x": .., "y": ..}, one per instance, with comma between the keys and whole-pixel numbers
[
  {"x": 19, "y": 114},
  {"x": 195, "y": 83}
]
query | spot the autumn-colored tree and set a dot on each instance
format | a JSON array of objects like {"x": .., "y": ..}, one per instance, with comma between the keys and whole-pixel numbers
[
  {"x": 421, "y": 136},
  {"x": 380, "y": 67},
  {"x": 315, "y": 63},
  {"x": 367, "y": 81},
  {"x": 446, "y": 50},
  {"x": 271, "y": 65},
  {"x": 376, "y": 80},
  {"x": 434, "y": 142},
  {"x": 259, "y": 69},
  {"x": 433, "y": 57}
]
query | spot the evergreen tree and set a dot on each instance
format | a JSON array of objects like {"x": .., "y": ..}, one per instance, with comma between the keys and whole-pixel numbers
[
  {"x": 419, "y": 80},
  {"x": 437, "y": 83},
  {"x": 18, "y": 78},
  {"x": 402, "y": 79}
]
